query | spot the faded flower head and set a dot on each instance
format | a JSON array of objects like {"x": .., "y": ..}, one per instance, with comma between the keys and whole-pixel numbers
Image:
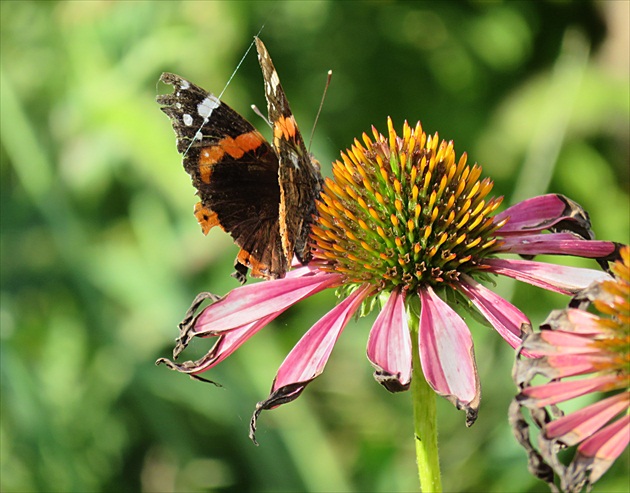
[
  {"x": 579, "y": 353},
  {"x": 406, "y": 226}
]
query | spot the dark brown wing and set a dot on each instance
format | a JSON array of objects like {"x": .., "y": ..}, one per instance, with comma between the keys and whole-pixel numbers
[
  {"x": 299, "y": 173},
  {"x": 235, "y": 172}
]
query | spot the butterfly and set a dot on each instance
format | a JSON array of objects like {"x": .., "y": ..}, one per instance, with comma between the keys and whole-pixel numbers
[{"x": 263, "y": 194}]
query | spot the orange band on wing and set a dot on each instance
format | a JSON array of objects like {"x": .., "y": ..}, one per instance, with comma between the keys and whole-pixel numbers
[
  {"x": 206, "y": 218},
  {"x": 285, "y": 128},
  {"x": 235, "y": 148},
  {"x": 242, "y": 144},
  {"x": 258, "y": 268},
  {"x": 207, "y": 159}
]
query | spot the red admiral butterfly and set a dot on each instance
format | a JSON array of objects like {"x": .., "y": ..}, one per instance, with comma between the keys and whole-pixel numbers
[{"x": 262, "y": 194}]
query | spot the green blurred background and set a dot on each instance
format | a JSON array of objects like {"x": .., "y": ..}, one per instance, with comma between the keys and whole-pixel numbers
[{"x": 101, "y": 254}]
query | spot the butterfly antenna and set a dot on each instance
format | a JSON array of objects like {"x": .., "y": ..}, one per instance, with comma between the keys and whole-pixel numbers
[
  {"x": 259, "y": 113},
  {"x": 321, "y": 105}
]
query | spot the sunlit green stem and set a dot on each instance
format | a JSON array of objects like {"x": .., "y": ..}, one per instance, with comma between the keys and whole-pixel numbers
[{"x": 424, "y": 418}]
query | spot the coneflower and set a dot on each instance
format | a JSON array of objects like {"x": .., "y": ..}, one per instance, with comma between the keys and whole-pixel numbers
[
  {"x": 405, "y": 226},
  {"x": 579, "y": 353}
]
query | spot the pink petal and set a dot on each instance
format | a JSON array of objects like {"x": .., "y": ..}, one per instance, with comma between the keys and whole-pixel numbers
[
  {"x": 597, "y": 453},
  {"x": 558, "y": 278},
  {"x": 570, "y": 365},
  {"x": 309, "y": 356},
  {"x": 575, "y": 321},
  {"x": 447, "y": 354},
  {"x": 556, "y": 244},
  {"x": 575, "y": 427},
  {"x": 605, "y": 446},
  {"x": 389, "y": 345},
  {"x": 226, "y": 344},
  {"x": 568, "y": 343},
  {"x": 535, "y": 214},
  {"x": 555, "y": 392},
  {"x": 504, "y": 317},
  {"x": 253, "y": 302}
]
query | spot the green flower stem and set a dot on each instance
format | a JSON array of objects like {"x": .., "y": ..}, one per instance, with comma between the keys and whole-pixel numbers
[{"x": 424, "y": 418}]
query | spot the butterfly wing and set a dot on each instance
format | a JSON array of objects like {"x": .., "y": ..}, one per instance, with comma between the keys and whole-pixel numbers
[
  {"x": 235, "y": 172},
  {"x": 298, "y": 174}
]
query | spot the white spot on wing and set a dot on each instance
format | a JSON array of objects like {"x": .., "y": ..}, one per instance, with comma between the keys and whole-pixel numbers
[
  {"x": 206, "y": 107},
  {"x": 188, "y": 120},
  {"x": 295, "y": 160},
  {"x": 198, "y": 135},
  {"x": 275, "y": 81},
  {"x": 185, "y": 84}
]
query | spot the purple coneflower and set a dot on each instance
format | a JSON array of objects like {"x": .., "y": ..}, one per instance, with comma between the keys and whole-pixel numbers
[
  {"x": 595, "y": 347},
  {"x": 406, "y": 226}
]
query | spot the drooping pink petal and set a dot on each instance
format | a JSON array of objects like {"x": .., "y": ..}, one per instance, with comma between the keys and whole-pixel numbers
[
  {"x": 535, "y": 214},
  {"x": 575, "y": 427},
  {"x": 568, "y": 343},
  {"x": 575, "y": 321},
  {"x": 558, "y": 278},
  {"x": 555, "y": 392},
  {"x": 570, "y": 365},
  {"x": 556, "y": 244},
  {"x": 602, "y": 449},
  {"x": 389, "y": 345},
  {"x": 226, "y": 344},
  {"x": 447, "y": 354},
  {"x": 309, "y": 356},
  {"x": 253, "y": 302},
  {"x": 504, "y": 317}
]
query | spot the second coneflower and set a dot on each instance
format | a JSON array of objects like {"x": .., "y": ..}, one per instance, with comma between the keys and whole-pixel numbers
[
  {"x": 405, "y": 224},
  {"x": 579, "y": 353}
]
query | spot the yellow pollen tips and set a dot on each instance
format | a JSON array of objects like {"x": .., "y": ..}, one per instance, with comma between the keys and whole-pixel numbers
[
  {"x": 392, "y": 134},
  {"x": 374, "y": 214},
  {"x": 434, "y": 214},
  {"x": 475, "y": 223},
  {"x": 450, "y": 203},
  {"x": 432, "y": 199},
  {"x": 384, "y": 174},
  {"x": 403, "y": 210},
  {"x": 463, "y": 221},
  {"x": 366, "y": 246},
  {"x": 427, "y": 180},
  {"x": 326, "y": 222},
  {"x": 443, "y": 182},
  {"x": 460, "y": 187},
  {"x": 406, "y": 131},
  {"x": 413, "y": 175}
]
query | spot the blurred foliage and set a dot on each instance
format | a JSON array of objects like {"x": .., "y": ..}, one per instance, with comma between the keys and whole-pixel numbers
[{"x": 101, "y": 254}]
